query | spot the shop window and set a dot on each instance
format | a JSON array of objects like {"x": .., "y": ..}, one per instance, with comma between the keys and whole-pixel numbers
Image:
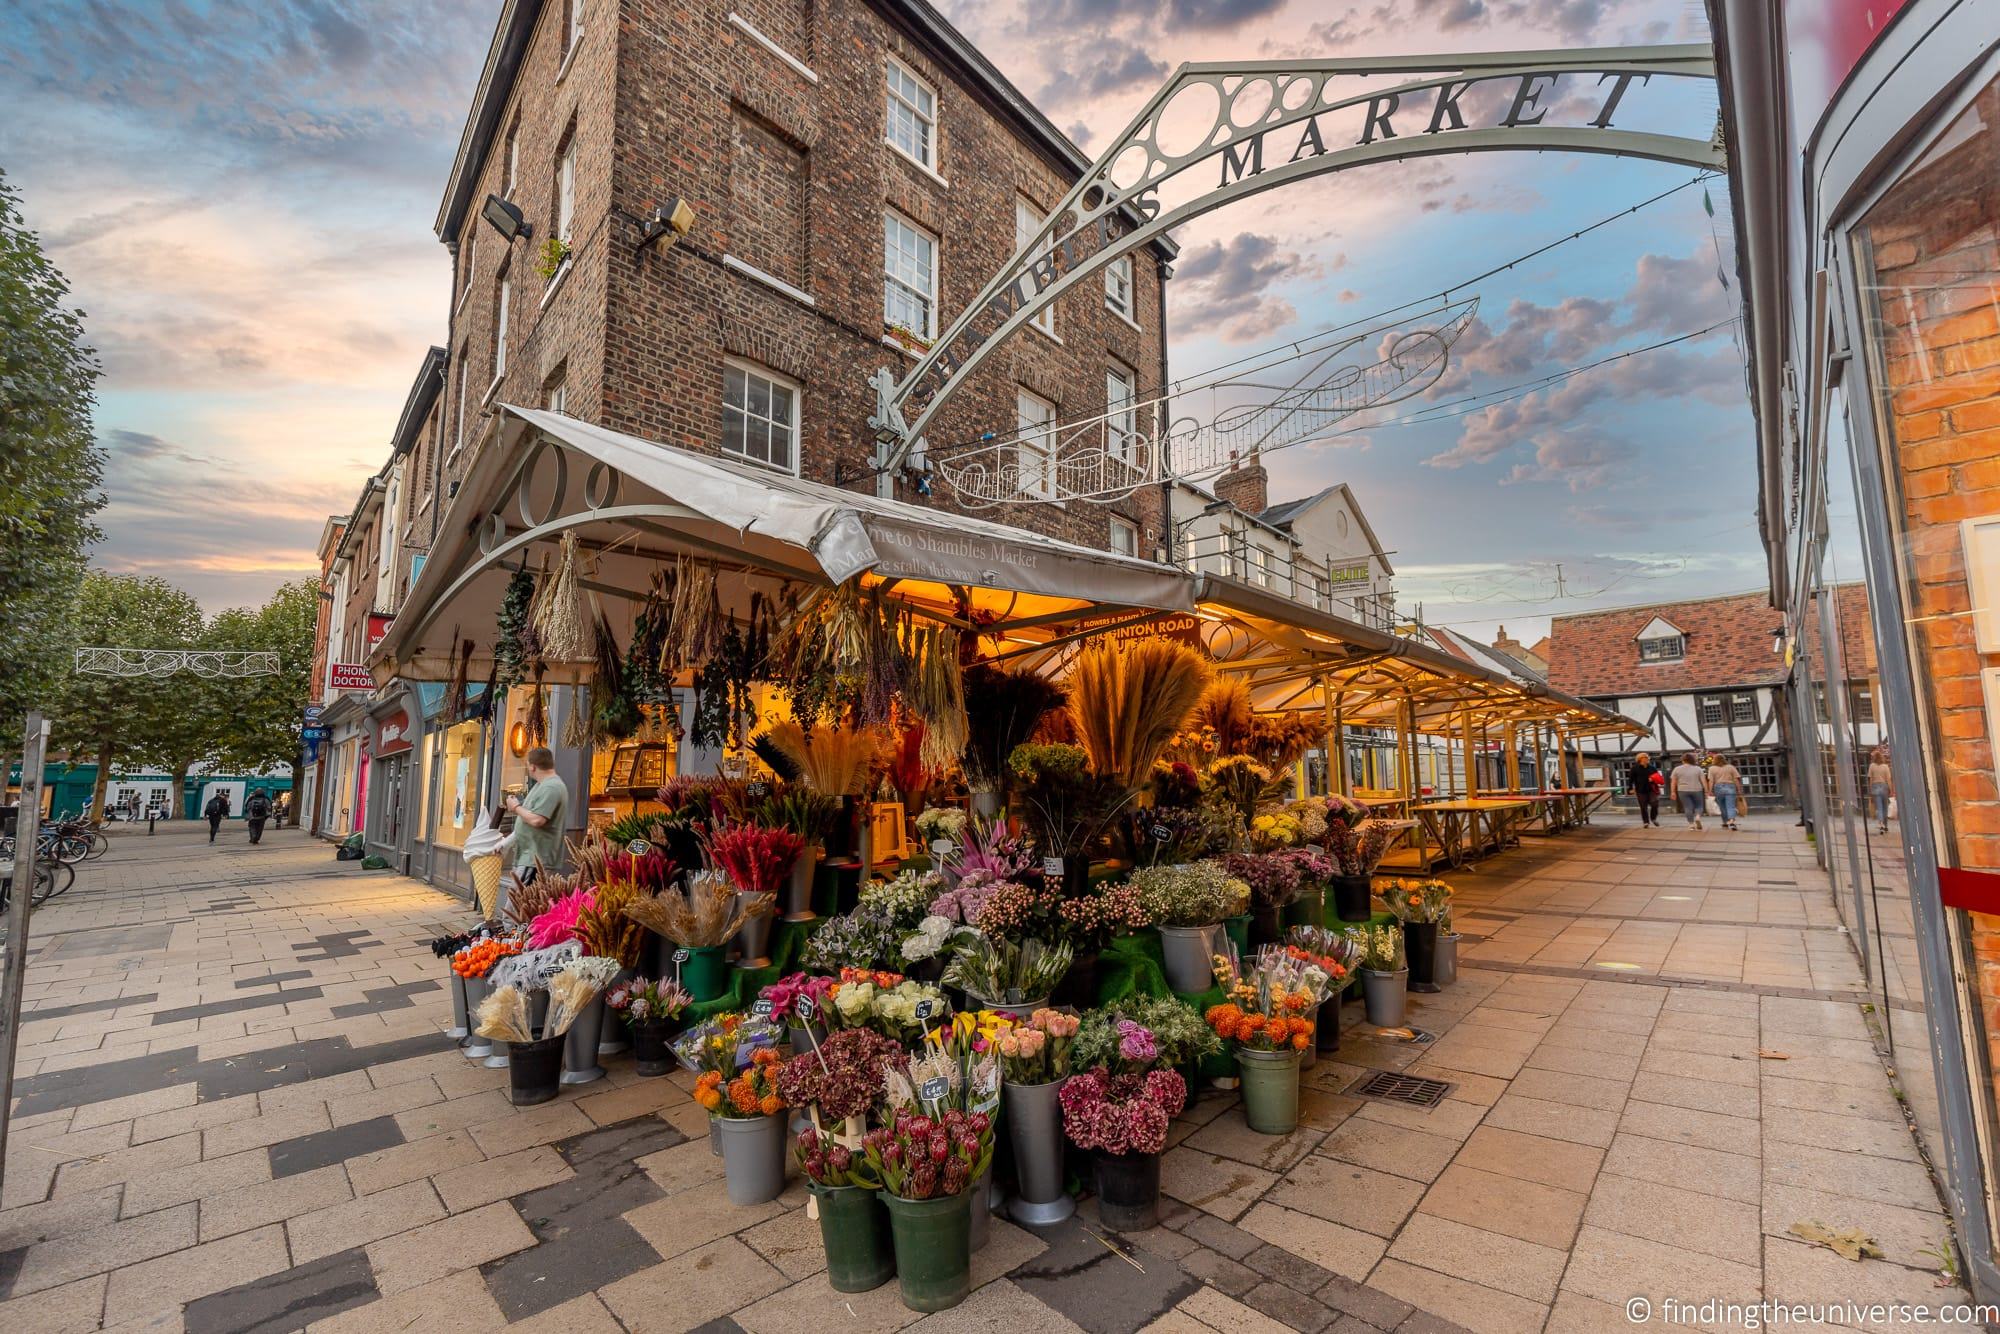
[
  {"x": 910, "y": 287},
  {"x": 1035, "y": 421},
  {"x": 760, "y": 416},
  {"x": 1760, "y": 773},
  {"x": 912, "y": 129}
]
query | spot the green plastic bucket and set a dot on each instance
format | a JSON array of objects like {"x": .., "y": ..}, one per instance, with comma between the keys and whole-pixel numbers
[
  {"x": 854, "y": 1225},
  {"x": 706, "y": 972},
  {"x": 1238, "y": 930},
  {"x": 933, "y": 1249},
  {"x": 1270, "y": 1090},
  {"x": 1308, "y": 909}
]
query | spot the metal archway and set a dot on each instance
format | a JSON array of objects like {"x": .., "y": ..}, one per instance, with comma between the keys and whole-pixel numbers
[{"x": 1116, "y": 207}]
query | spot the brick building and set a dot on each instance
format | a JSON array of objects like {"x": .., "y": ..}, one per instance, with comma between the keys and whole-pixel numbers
[
  {"x": 856, "y": 171},
  {"x": 1865, "y": 182}
]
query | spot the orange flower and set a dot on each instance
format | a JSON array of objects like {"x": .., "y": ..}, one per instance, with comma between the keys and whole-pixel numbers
[
  {"x": 764, "y": 1056},
  {"x": 743, "y": 1097},
  {"x": 1301, "y": 1042},
  {"x": 772, "y": 1104},
  {"x": 708, "y": 1098},
  {"x": 709, "y": 1079}
]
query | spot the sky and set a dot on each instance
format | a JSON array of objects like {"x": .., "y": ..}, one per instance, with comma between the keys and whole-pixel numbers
[{"x": 241, "y": 193}]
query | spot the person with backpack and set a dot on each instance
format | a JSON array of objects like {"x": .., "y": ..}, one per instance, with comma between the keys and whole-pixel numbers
[
  {"x": 256, "y": 811},
  {"x": 215, "y": 812}
]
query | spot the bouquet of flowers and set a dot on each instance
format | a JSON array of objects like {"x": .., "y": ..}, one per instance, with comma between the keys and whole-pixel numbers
[
  {"x": 1381, "y": 948},
  {"x": 1121, "y": 1113},
  {"x": 940, "y": 822},
  {"x": 1315, "y": 867},
  {"x": 929, "y": 939},
  {"x": 1268, "y": 1007},
  {"x": 1310, "y": 812},
  {"x": 1184, "y": 833},
  {"x": 827, "y": 1162},
  {"x": 1329, "y": 949},
  {"x": 1179, "y": 1036},
  {"x": 860, "y": 939},
  {"x": 722, "y": 1044},
  {"x": 963, "y": 902},
  {"x": 1176, "y": 785},
  {"x": 918, "y": 1157},
  {"x": 1107, "y": 910},
  {"x": 752, "y": 1092},
  {"x": 1037, "y": 1051},
  {"x": 1420, "y": 901},
  {"x": 641, "y": 1000},
  {"x": 992, "y": 849},
  {"x": 558, "y": 923},
  {"x": 1273, "y": 877},
  {"x": 1017, "y": 910},
  {"x": 755, "y": 858},
  {"x": 1238, "y": 781},
  {"x": 1065, "y": 804},
  {"x": 844, "y": 1078},
  {"x": 1354, "y": 838},
  {"x": 785, "y": 992},
  {"x": 1003, "y": 972},
  {"x": 891, "y": 1011},
  {"x": 1194, "y": 894},
  {"x": 1276, "y": 829},
  {"x": 904, "y": 901}
]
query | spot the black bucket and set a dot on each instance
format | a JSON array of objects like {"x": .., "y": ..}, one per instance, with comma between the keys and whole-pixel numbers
[{"x": 534, "y": 1070}]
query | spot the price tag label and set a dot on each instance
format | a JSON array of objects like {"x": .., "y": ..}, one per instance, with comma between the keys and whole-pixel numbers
[
  {"x": 1161, "y": 833},
  {"x": 759, "y": 788},
  {"x": 934, "y": 1088},
  {"x": 1052, "y": 866},
  {"x": 761, "y": 1009},
  {"x": 804, "y": 1008},
  {"x": 927, "y": 1009},
  {"x": 638, "y": 847},
  {"x": 682, "y": 955}
]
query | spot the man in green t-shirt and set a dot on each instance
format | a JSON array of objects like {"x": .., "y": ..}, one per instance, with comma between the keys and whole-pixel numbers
[{"x": 539, "y": 817}]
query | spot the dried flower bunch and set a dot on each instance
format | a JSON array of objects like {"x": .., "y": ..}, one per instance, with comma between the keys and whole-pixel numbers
[
  {"x": 752, "y": 1092},
  {"x": 604, "y": 929},
  {"x": 573, "y": 989},
  {"x": 706, "y": 915},
  {"x": 1128, "y": 701},
  {"x": 503, "y": 1016},
  {"x": 1125, "y": 1113},
  {"x": 755, "y": 858},
  {"x": 641, "y": 1000},
  {"x": 918, "y": 1157},
  {"x": 844, "y": 1077},
  {"x": 1003, "y": 708},
  {"x": 1191, "y": 894},
  {"x": 834, "y": 760},
  {"x": 531, "y": 970}
]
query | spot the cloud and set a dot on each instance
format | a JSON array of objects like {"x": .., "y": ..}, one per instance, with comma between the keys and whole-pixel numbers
[
  {"x": 1113, "y": 67},
  {"x": 1223, "y": 286},
  {"x": 1202, "y": 16}
]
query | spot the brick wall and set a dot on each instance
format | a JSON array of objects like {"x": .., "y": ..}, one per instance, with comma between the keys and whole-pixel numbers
[
  {"x": 1936, "y": 241},
  {"x": 790, "y": 176}
]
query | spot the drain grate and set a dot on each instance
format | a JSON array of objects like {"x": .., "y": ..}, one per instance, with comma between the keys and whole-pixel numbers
[{"x": 1391, "y": 1087}]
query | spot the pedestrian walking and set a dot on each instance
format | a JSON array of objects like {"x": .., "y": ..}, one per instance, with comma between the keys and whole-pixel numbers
[
  {"x": 1647, "y": 781},
  {"x": 1881, "y": 787},
  {"x": 1727, "y": 785},
  {"x": 256, "y": 811},
  {"x": 215, "y": 812},
  {"x": 539, "y": 816},
  {"x": 1688, "y": 786}
]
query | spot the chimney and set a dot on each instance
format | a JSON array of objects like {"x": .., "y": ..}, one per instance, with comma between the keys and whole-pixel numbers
[
  {"x": 1247, "y": 487},
  {"x": 1503, "y": 643}
]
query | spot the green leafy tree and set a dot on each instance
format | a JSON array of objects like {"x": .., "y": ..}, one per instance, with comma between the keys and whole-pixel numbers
[
  {"x": 260, "y": 717},
  {"x": 50, "y": 468},
  {"x": 116, "y": 719}
]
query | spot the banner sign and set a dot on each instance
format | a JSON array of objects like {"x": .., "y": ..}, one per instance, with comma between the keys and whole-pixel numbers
[
  {"x": 378, "y": 626},
  {"x": 394, "y": 737},
  {"x": 313, "y": 711},
  {"x": 350, "y": 676}
]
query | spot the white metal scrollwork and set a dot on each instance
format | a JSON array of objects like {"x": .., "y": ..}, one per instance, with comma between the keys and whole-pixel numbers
[{"x": 154, "y": 663}]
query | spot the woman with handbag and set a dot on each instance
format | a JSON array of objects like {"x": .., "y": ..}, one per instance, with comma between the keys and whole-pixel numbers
[{"x": 1726, "y": 784}]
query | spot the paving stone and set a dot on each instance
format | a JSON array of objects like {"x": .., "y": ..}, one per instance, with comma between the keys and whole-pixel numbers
[
  {"x": 24, "y": 1226},
  {"x": 1528, "y": 1210},
  {"x": 253, "y": 1206},
  {"x": 1079, "y": 1280},
  {"x": 1731, "y": 1176},
  {"x": 336, "y": 1145},
  {"x": 1369, "y": 1305},
  {"x": 465, "y": 1188},
  {"x": 72, "y": 1308},
  {"x": 1575, "y": 1313},
  {"x": 1904, "y": 1232},
  {"x": 1289, "y": 1306},
  {"x": 1464, "y": 1303},
  {"x": 1220, "y": 1272},
  {"x": 1729, "y": 1099},
  {"x": 459, "y": 1301},
  {"x": 138, "y": 1162},
  {"x": 1570, "y": 1061},
  {"x": 1219, "y": 1312},
  {"x": 723, "y": 1276},
  {"x": 1007, "y": 1248},
  {"x": 1687, "y": 1125},
  {"x": 356, "y": 1222},
  {"x": 579, "y": 1315},
  {"x": 1335, "y": 1247},
  {"x": 1727, "y": 1229},
  {"x": 641, "y": 1098},
  {"x": 351, "y": 1108},
  {"x": 1217, "y": 1235},
  {"x": 517, "y": 1129},
  {"x": 682, "y": 1167},
  {"x": 1232, "y": 1137},
  {"x": 811, "y": 1306},
  {"x": 998, "y": 1305},
  {"x": 287, "y": 1301},
  {"x": 163, "y": 1284},
  {"x": 567, "y": 1265},
  {"x": 78, "y": 1255},
  {"x": 258, "y": 1132},
  {"x": 1554, "y": 1120},
  {"x": 1861, "y": 1175},
  {"x": 686, "y": 1222},
  {"x": 193, "y": 1116},
  {"x": 129, "y": 1107},
  {"x": 1218, "y": 1185},
  {"x": 1843, "y": 1134},
  {"x": 1872, "y": 1101},
  {"x": 1491, "y": 1259},
  {"x": 1532, "y": 1158},
  {"x": 1575, "y": 1089},
  {"x": 1393, "y": 1149},
  {"x": 408, "y": 1162},
  {"x": 434, "y": 1250},
  {"x": 454, "y": 1114},
  {"x": 1614, "y": 1266},
  {"x": 1348, "y": 1194}
]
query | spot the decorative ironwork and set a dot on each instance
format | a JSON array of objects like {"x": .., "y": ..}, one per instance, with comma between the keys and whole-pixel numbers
[
  {"x": 1211, "y": 136},
  {"x": 155, "y": 663}
]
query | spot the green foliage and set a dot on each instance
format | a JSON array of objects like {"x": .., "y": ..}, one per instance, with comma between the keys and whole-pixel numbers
[
  {"x": 50, "y": 468},
  {"x": 112, "y": 720},
  {"x": 256, "y": 721}
]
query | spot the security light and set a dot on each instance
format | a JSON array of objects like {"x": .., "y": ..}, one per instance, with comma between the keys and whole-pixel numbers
[
  {"x": 506, "y": 218},
  {"x": 669, "y": 223}
]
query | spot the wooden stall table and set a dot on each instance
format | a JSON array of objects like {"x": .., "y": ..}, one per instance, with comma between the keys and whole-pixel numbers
[
  {"x": 1583, "y": 801},
  {"x": 1548, "y": 813},
  {"x": 1416, "y": 853},
  {"x": 1467, "y": 827}
]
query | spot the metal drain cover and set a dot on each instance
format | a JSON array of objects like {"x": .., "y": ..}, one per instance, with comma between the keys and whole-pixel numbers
[{"x": 1391, "y": 1087}]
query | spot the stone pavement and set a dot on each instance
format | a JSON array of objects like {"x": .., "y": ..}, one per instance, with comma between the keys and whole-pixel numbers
[{"x": 237, "y": 1111}]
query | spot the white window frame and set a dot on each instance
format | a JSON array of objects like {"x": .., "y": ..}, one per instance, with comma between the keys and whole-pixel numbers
[
  {"x": 458, "y": 441},
  {"x": 1120, "y": 294},
  {"x": 775, "y": 380},
  {"x": 500, "y": 320},
  {"x": 891, "y": 220},
  {"x": 1739, "y": 704},
  {"x": 1028, "y": 221},
  {"x": 392, "y": 505},
  {"x": 557, "y": 399},
  {"x": 566, "y": 193},
  {"x": 1661, "y": 655},
  {"x": 1129, "y": 530},
  {"x": 926, "y": 153},
  {"x": 1034, "y": 444},
  {"x": 574, "y": 17},
  {"x": 471, "y": 270},
  {"x": 513, "y": 162},
  {"x": 1121, "y": 424}
]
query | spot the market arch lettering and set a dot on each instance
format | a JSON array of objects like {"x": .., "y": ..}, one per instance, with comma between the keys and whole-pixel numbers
[{"x": 1215, "y": 134}]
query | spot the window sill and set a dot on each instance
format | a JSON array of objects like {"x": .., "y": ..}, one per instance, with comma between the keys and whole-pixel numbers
[
  {"x": 912, "y": 353},
  {"x": 749, "y": 462},
  {"x": 569, "y": 56},
  {"x": 921, "y": 165},
  {"x": 771, "y": 281},
  {"x": 804, "y": 70},
  {"x": 556, "y": 281},
  {"x": 486, "y": 399},
  {"x": 1049, "y": 334},
  {"x": 1123, "y": 316}
]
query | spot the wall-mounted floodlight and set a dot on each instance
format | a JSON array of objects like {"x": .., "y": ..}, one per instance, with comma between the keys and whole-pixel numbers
[
  {"x": 668, "y": 224},
  {"x": 506, "y": 218}
]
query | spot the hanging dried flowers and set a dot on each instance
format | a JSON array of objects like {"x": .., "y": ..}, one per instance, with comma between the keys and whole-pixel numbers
[
  {"x": 514, "y": 645},
  {"x": 559, "y": 620}
]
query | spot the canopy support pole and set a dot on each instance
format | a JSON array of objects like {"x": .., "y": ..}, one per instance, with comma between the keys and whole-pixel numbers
[
  {"x": 1471, "y": 771},
  {"x": 1513, "y": 760},
  {"x": 1541, "y": 767}
]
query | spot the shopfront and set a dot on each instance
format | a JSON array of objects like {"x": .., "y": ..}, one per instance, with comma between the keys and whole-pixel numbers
[
  {"x": 1866, "y": 180},
  {"x": 395, "y": 725}
]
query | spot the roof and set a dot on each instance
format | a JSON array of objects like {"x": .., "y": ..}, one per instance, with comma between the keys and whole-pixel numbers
[
  {"x": 1282, "y": 515},
  {"x": 1857, "y": 636},
  {"x": 930, "y": 28},
  {"x": 1596, "y": 654},
  {"x": 1481, "y": 655},
  {"x": 417, "y": 406}
]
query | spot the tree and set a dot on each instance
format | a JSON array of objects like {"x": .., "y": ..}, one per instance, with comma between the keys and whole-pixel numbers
[
  {"x": 112, "y": 718},
  {"x": 262, "y": 715},
  {"x": 50, "y": 468}
]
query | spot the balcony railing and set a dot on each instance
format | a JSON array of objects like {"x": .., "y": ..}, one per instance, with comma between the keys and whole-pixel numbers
[{"x": 1284, "y": 572}]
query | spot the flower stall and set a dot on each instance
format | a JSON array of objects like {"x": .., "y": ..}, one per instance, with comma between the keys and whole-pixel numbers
[{"x": 1122, "y": 889}]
